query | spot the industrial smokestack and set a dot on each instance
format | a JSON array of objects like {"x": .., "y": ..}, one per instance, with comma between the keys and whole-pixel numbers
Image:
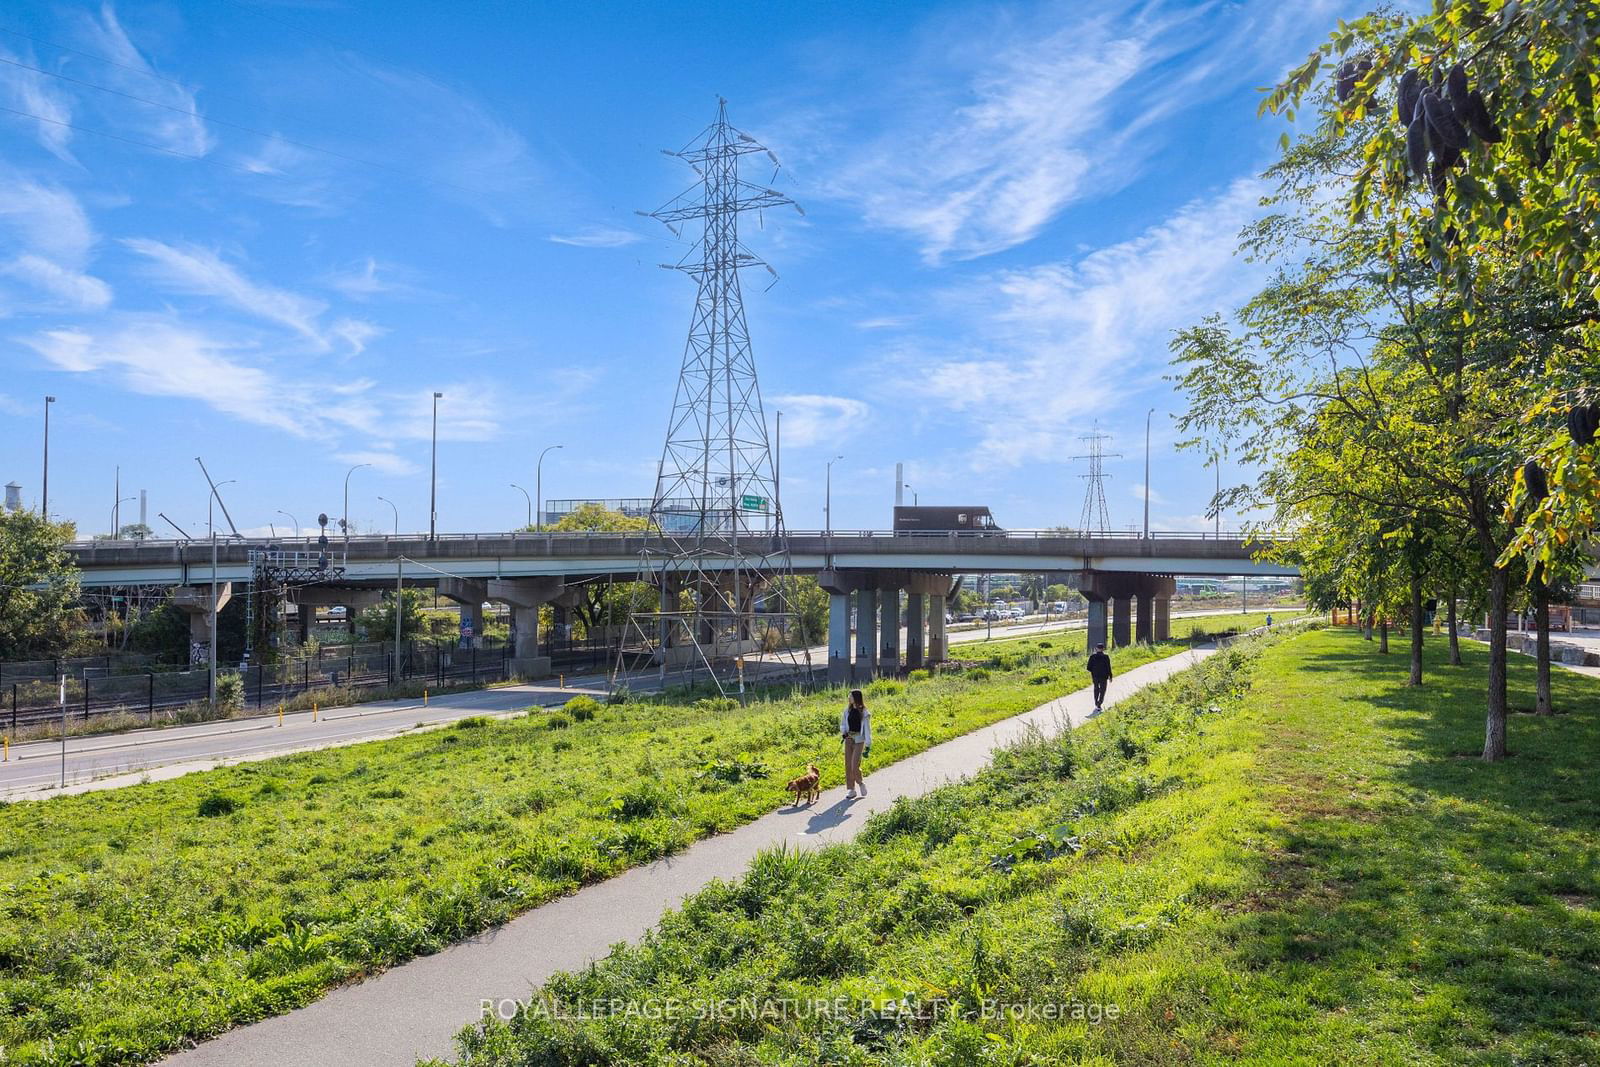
[
  {"x": 899, "y": 484},
  {"x": 144, "y": 512}
]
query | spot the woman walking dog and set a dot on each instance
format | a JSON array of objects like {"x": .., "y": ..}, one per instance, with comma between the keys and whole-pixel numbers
[{"x": 855, "y": 726}]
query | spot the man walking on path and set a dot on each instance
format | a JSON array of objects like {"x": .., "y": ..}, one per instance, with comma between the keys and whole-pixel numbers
[{"x": 1100, "y": 673}]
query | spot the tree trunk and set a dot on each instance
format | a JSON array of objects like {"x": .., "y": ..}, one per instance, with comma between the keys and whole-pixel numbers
[
  {"x": 1383, "y": 635},
  {"x": 1366, "y": 624},
  {"x": 1541, "y": 620},
  {"x": 1494, "y": 730},
  {"x": 1455, "y": 639},
  {"x": 1416, "y": 629}
]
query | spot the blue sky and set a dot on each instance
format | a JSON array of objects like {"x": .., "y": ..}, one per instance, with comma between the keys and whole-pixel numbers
[{"x": 264, "y": 232}]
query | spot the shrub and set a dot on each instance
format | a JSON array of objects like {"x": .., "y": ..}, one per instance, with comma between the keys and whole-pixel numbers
[
  {"x": 716, "y": 703},
  {"x": 214, "y": 804},
  {"x": 557, "y": 721},
  {"x": 978, "y": 674},
  {"x": 883, "y": 687},
  {"x": 473, "y": 722},
  {"x": 620, "y": 695},
  {"x": 918, "y": 675},
  {"x": 230, "y": 693},
  {"x": 1040, "y": 678},
  {"x": 641, "y": 802},
  {"x": 582, "y": 708}
]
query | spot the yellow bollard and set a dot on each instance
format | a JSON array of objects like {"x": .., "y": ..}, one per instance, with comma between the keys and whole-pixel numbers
[
  {"x": 6, "y": 742},
  {"x": 563, "y": 680},
  {"x": 280, "y": 714},
  {"x": 313, "y": 713},
  {"x": 424, "y": 698}
]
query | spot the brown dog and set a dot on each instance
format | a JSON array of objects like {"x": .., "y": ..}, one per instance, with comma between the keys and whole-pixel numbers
[{"x": 809, "y": 783}]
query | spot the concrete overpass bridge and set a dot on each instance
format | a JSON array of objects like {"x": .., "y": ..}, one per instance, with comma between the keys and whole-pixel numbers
[{"x": 876, "y": 576}]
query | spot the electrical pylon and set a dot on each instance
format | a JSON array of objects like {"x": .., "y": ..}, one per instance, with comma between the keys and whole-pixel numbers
[
  {"x": 1095, "y": 517},
  {"x": 723, "y": 550}
]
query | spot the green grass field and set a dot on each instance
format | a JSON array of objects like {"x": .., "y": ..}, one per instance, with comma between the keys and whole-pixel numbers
[
  {"x": 136, "y": 919},
  {"x": 1282, "y": 856},
  {"x": 1196, "y": 628}
]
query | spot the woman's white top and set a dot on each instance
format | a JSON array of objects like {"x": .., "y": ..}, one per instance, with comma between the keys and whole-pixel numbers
[{"x": 865, "y": 736}]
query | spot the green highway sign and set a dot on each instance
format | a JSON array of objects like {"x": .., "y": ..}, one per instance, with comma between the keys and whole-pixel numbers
[{"x": 753, "y": 503}]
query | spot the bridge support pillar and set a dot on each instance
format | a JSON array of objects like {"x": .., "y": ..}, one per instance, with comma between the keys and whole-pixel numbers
[
  {"x": 1096, "y": 623},
  {"x": 195, "y": 602},
  {"x": 916, "y": 619},
  {"x": 1121, "y": 616},
  {"x": 470, "y": 595},
  {"x": 1143, "y": 622},
  {"x": 936, "y": 639},
  {"x": 838, "y": 638},
  {"x": 1163, "y": 619},
  {"x": 889, "y": 632},
  {"x": 525, "y": 596},
  {"x": 866, "y": 634}
]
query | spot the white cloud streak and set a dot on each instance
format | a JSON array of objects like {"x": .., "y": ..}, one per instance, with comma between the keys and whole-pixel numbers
[
  {"x": 810, "y": 418},
  {"x": 183, "y": 133},
  {"x": 597, "y": 237}
]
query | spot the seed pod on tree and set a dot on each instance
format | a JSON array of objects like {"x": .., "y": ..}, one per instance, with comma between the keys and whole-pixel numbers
[
  {"x": 1442, "y": 121},
  {"x": 1476, "y": 116},
  {"x": 1417, "y": 146},
  {"x": 1533, "y": 477},
  {"x": 1456, "y": 87},
  {"x": 1409, "y": 92}
]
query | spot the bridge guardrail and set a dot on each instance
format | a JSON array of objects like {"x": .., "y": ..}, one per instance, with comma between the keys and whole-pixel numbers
[{"x": 335, "y": 545}]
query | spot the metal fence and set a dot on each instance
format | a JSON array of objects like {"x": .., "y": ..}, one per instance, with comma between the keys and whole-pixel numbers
[{"x": 92, "y": 693}]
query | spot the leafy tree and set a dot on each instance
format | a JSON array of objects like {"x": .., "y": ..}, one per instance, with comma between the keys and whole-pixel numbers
[
  {"x": 377, "y": 621},
  {"x": 39, "y": 612},
  {"x": 604, "y": 603},
  {"x": 1372, "y": 392},
  {"x": 1498, "y": 161}
]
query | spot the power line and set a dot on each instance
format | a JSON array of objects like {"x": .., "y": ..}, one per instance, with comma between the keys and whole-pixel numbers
[{"x": 190, "y": 113}]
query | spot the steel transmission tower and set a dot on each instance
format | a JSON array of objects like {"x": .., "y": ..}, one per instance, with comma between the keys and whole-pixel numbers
[
  {"x": 1095, "y": 518},
  {"x": 716, "y": 504}
]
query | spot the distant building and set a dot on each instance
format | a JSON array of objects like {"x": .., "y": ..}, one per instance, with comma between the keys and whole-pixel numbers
[{"x": 13, "y": 496}]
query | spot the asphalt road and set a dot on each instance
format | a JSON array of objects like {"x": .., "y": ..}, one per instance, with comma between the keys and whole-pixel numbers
[{"x": 110, "y": 761}]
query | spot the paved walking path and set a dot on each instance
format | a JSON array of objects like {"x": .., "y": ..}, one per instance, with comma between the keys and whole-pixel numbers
[{"x": 414, "y": 1010}]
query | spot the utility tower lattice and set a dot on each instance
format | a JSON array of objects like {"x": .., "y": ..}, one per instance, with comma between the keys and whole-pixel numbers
[
  {"x": 716, "y": 502},
  {"x": 1095, "y": 518}
]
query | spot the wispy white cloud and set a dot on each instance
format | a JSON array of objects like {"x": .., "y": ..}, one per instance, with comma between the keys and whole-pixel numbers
[
  {"x": 57, "y": 241},
  {"x": 361, "y": 282},
  {"x": 1003, "y": 116},
  {"x": 73, "y": 287},
  {"x": 1035, "y": 354},
  {"x": 597, "y": 237},
  {"x": 177, "y": 126},
  {"x": 202, "y": 272},
  {"x": 48, "y": 109},
  {"x": 386, "y": 462},
  {"x": 811, "y": 418}
]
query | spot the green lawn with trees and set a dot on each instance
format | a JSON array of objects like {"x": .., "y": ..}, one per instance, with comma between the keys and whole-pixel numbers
[
  {"x": 1285, "y": 855},
  {"x": 135, "y": 919}
]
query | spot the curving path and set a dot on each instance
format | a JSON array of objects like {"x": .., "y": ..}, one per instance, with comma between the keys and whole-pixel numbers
[{"x": 413, "y": 1011}]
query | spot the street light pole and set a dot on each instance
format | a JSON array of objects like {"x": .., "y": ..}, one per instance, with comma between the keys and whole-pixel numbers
[
  {"x": 529, "y": 499},
  {"x": 1152, "y": 411},
  {"x": 211, "y": 529},
  {"x": 1216, "y": 532},
  {"x": 433, "y": 475},
  {"x": 292, "y": 519},
  {"x": 538, "y": 488},
  {"x": 44, "y": 489},
  {"x": 344, "y": 522},
  {"x": 827, "y": 498},
  {"x": 399, "y": 588}
]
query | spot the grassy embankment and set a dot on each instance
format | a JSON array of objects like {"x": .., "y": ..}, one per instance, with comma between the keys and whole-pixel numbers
[
  {"x": 1282, "y": 856},
  {"x": 1195, "y": 628},
  {"x": 135, "y": 919}
]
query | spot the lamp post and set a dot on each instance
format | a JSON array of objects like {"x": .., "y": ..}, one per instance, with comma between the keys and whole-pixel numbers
[
  {"x": 399, "y": 588},
  {"x": 903, "y": 485},
  {"x": 211, "y": 529},
  {"x": 294, "y": 520},
  {"x": 116, "y": 518},
  {"x": 538, "y": 488},
  {"x": 44, "y": 488},
  {"x": 529, "y": 499},
  {"x": 1147, "y": 415},
  {"x": 433, "y": 475},
  {"x": 1216, "y": 533},
  {"x": 827, "y": 498},
  {"x": 344, "y": 523},
  {"x": 396, "y": 511}
]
